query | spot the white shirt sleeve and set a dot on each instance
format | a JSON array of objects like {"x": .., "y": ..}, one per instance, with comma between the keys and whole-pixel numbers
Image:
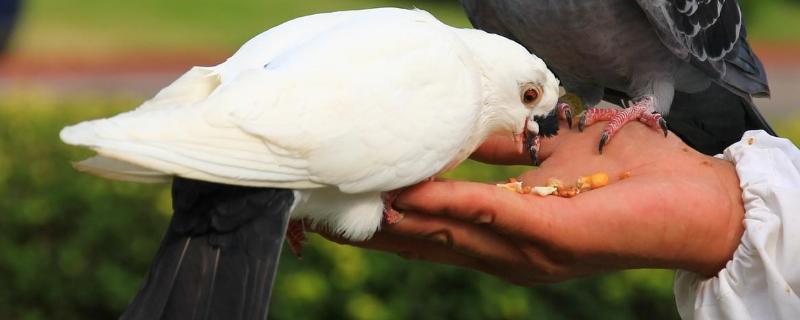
[{"x": 763, "y": 278}]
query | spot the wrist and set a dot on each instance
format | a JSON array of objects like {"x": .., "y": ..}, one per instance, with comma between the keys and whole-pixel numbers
[{"x": 725, "y": 238}]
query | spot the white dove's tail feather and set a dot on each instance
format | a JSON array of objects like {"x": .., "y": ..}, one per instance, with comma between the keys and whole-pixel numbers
[
  {"x": 177, "y": 142},
  {"x": 193, "y": 138},
  {"x": 193, "y": 86},
  {"x": 119, "y": 170}
]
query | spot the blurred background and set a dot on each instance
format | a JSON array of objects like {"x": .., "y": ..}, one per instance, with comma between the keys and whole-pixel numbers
[{"x": 76, "y": 247}]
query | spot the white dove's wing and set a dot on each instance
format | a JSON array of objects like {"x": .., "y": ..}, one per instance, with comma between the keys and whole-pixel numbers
[
  {"x": 376, "y": 102},
  {"x": 277, "y": 41},
  {"x": 196, "y": 84}
]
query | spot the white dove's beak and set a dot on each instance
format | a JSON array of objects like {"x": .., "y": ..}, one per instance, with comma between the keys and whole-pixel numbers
[
  {"x": 530, "y": 129},
  {"x": 532, "y": 126}
]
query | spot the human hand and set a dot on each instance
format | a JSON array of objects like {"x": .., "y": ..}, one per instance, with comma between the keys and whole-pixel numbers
[{"x": 677, "y": 209}]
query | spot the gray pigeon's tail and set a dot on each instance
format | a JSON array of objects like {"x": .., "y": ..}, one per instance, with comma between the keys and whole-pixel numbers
[
  {"x": 745, "y": 74},
  {"x": 712, "y": 120},
  {"x": 755, "y": 121},
  {"x": 219, "y": 256}
]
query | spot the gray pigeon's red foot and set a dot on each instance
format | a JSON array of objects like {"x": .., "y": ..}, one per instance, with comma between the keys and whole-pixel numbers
[
  {"x": 617, "y": 118},
  {"x": 565, "y": 112}
]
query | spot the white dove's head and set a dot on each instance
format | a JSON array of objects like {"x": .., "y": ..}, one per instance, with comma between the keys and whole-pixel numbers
[{"x": 518, "y": 89}]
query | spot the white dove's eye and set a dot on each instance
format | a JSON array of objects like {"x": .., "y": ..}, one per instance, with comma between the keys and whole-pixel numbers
[{"x": 530, "y": 95}]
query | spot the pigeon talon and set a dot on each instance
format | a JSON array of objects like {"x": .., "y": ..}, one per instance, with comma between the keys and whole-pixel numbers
[
  {"x": 568, "y": 115},
  {"x": 565, "y": 112},
  {"x": 603, "y": 141},
  {"x": 582, "y": 122},
  {"x": 663, "y": 124},
  {"x": 656, "y": 121}
]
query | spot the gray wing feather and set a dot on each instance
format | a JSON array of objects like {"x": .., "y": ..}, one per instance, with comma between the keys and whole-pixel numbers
[
  {"x": 710, "y": 34},
  {"x": 704, "y": 29}
]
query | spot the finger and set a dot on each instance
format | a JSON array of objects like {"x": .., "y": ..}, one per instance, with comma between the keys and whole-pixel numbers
[
  {"x": 412, "y": 249},
  {"x": 504, "y": 211},
  {"x": 501, "y": 252},
  {"x": 504, "y": 149},
  {"x": 501, "y": 149},
  {"x": 473, "y": 240}
]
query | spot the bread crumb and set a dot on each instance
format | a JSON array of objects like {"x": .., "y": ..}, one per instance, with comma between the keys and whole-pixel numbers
[{"x": 544, "y": 191}]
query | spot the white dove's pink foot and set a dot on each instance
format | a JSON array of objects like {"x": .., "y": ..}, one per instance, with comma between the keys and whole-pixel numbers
[
  {"x": 390, "y": 215},
  {"x": 296, "y": 235},
  {"x": 565, "y": 112},
  {"x": 296, "y": 231},
  {"x": 618, "y": 118}
]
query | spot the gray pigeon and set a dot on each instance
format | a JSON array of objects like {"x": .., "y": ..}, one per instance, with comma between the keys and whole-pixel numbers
[{"x": 686, "y": 59}]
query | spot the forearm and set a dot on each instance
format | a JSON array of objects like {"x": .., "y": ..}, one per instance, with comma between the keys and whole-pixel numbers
[{"x": 761, "y": 279}]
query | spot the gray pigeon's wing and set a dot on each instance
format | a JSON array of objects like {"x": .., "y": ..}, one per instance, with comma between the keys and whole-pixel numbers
[
  {"x": 710, "y": 34},
  {"x": 483, "y": 15}
]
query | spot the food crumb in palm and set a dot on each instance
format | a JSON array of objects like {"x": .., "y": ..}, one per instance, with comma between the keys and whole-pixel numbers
[{"x": 556, "y": 187}]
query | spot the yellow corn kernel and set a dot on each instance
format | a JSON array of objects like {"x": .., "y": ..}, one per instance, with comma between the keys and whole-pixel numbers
[{"x": 598, "y": 180}]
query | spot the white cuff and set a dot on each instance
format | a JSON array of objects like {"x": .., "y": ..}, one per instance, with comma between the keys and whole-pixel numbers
[{"x": 762, "y": 279}]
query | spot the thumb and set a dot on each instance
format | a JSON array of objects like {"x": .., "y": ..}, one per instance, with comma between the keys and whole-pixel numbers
[{"x": 503, "y": 149}]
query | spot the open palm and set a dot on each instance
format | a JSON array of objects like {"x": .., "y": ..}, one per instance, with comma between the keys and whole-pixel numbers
[{"x": 676, "y": 208}]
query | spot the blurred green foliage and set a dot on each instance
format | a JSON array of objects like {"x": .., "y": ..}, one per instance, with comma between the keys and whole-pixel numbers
[
  {"x": 71, "y": 246},
  {"x": 102, "y": 27},
  {"x": 772, "y": 20}
]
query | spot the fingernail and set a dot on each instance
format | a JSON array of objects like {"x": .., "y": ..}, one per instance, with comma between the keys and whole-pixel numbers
[
  {"x": 442, "y": 237},
  {"x": 484, "y": 219}
]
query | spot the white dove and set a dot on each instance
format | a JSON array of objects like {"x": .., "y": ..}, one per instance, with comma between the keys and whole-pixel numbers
[{"x": 315, "y": 119}]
